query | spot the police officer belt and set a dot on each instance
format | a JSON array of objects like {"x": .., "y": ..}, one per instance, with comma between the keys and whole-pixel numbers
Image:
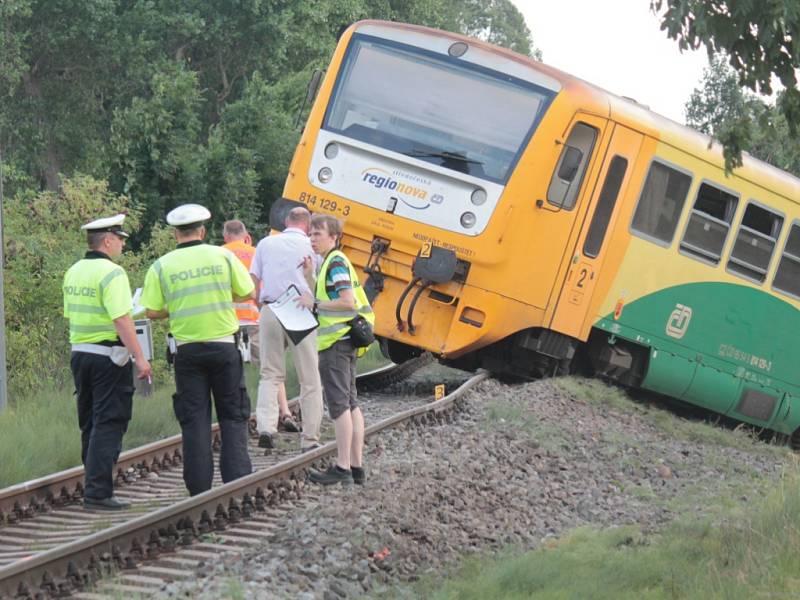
[
  {"x": 119, "y": 355},
  {"x": 227, "y": 339},
  {"x": 94, "y": 349}
]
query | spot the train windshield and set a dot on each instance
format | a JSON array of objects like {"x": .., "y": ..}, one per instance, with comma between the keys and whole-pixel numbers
[{"x": 435, "y": 108}]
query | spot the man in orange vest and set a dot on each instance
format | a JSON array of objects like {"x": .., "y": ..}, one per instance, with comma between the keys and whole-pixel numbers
[{"x": 238, "y": 241}]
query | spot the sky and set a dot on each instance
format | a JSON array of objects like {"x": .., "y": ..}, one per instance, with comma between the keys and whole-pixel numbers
[{"x": 617, "y": 45}]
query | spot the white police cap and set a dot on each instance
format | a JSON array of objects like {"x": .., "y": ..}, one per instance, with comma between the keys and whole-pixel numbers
[
  {"x": 110, "y": 224},
  {"x": 188, "y": 214}
]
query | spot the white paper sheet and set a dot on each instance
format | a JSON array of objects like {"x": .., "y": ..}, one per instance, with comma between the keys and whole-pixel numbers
[
  {"x": 137, "y": 308},
  {"x": 295, "y": 319}
]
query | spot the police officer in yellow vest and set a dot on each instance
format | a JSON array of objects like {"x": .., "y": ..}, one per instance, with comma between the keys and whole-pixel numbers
[
  {"x": 195, "y": 286},
  {"x": 339, "y": 297},
  {"x": 97, "y": 302}
]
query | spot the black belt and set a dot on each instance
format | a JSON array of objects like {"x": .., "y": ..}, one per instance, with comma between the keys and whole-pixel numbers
[{"x": 109, "y": 343}]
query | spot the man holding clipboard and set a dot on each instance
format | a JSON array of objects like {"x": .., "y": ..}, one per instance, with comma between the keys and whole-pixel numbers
[{"x": 278, "y": 267}]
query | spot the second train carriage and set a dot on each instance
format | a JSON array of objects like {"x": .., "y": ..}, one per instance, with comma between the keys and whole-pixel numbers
[{"x": 507, "y": 215}]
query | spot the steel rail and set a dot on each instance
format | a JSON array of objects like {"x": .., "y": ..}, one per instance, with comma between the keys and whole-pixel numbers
[
  {"x": 36, "y": 495},
  {"x": 103, "y": 551}
]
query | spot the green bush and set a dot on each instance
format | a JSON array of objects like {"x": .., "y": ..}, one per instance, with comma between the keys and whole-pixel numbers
[{"x": 42, "y": 239}]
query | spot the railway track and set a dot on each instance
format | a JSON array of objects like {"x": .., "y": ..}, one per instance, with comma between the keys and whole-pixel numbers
[
  {"x": 67, "y": 550},
  {"x": 42, "y": 495}
]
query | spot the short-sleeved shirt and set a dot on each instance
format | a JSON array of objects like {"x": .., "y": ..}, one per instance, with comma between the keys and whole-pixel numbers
[
  {"x": 278, "y": 263},
  {"x": 337, "y": 278},
  {"x": 96, "y": 293},
  {"x": 195, "y": 283}
]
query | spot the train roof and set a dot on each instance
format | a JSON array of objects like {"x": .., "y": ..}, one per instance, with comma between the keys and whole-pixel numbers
[{"x": 637, "y": 116}]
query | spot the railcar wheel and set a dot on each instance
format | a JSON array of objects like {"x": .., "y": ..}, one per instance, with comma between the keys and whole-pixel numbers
[
  {"x": 397, "y": 374},
  {"x": 794, "y": 440},
  {"x": 397, "y": 352}
]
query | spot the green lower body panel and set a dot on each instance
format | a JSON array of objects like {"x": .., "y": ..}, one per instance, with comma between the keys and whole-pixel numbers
[
  {"x": 729, "y": 348},
  {"x": 668, "y": 373}
]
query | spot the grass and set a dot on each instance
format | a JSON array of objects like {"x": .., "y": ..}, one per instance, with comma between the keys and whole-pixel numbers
[
  {"x": 594, "y": 391},
  {"x": 550, "y": 436},
  {"x": 753, "y": 552},
  {"x": 233, "y": 589},
  {"x": 40, "y": 430}
]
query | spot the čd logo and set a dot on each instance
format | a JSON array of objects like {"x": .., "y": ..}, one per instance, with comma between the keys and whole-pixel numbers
[{"x": 678, "y": 321}]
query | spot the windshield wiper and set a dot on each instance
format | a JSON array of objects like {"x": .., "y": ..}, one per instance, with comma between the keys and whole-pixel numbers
[{"x": 445, "y": 155}]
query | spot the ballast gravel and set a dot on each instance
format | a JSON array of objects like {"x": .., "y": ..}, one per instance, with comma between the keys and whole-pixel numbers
[{"x": 514, "y": 466}]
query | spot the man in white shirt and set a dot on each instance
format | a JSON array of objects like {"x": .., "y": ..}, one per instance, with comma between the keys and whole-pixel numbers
[{"x": 277, "y": 264}]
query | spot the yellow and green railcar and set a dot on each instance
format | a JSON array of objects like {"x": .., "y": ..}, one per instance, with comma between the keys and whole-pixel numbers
[{"x": 510, "y": 216}]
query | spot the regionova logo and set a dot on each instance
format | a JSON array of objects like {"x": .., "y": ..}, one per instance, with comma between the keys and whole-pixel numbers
[{"x": 412, "y": 192}]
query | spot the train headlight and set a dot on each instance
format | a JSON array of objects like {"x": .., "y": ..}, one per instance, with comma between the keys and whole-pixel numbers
[
  {"x": 468, "y": 220},
  {"x": 457, "y": 50},
  {"x": 331, "y": 150},
  {"x": 325, "y": 174},
  {"x": 478, "y": 197}
]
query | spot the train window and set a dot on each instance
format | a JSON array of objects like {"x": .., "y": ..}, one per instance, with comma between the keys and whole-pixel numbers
[
  {"x": 755, "y": 242},
  {"x": 571, "y": 166},
  {"x": 787, "y": 278},
  {"x": 605, "y": 206},
  {"x": 661, "y": 203},
  {"x": 709, "y": 223}
]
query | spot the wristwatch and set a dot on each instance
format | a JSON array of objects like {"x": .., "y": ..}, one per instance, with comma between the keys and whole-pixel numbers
[{"x": 315, "y": 307}]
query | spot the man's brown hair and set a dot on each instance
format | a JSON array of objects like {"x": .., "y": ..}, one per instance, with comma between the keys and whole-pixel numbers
[{"x": 328, "y": 222}]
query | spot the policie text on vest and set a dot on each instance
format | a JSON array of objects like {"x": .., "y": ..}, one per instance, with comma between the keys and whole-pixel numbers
[{"x": 195, "y": 273}]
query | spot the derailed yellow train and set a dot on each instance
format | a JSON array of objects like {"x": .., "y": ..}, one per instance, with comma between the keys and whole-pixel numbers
[{"x": 509, "y": 216}]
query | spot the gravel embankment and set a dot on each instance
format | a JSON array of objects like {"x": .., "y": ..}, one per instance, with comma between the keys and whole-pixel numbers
[{"x": 517, "y": 465}]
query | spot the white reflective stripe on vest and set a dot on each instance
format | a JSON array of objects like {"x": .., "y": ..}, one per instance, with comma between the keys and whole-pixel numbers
[
  {"x": 333, "y": 328},
  {"x": 350, "y": 314},
  {"x": 199, "y": 310},
  {"x": 92, "y": 328},
  {"x": 86, "y": 308},
  {"x": 214, "y": 286}
]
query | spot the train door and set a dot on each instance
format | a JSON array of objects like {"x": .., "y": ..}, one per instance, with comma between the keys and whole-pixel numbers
[
  {"x": 561, "y": 200},
  {"x": 575, "y": 298}
]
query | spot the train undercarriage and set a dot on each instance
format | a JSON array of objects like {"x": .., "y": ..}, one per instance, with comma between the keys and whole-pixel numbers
[{"x": 537, "y": 353}]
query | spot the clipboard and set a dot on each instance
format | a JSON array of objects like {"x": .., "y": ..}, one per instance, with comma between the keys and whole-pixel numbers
[{"x": 297, "y": 321}]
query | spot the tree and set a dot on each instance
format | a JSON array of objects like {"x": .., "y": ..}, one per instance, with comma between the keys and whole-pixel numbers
[
  {"x": 721, "y": 108},
  {"x": 35, "y": 262},
  {"x": 248, "y": 154},
  {"x": 155, "y": 142},
  {"x": 760, "y": 40},
  {"x": 496, "y": 21},
  {"x": 136, "y": 91}
]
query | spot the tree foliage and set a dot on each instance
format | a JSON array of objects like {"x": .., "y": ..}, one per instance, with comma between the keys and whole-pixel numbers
[
  {"x": 141, "y": 105},
  {"x": 147, "y": 94},
  {"x": 720, "y": 108},
  {"x": 760, "y": 40}
]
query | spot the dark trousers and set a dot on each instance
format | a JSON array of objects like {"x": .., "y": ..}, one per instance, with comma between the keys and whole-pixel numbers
[
  {"x": 337, "y": 370},
  {"x": 200, "y": 369},
  {"x": 105, "y": 397}
]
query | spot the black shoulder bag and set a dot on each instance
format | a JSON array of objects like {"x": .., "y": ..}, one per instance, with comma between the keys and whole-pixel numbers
[{"x": 361, "y": 334}]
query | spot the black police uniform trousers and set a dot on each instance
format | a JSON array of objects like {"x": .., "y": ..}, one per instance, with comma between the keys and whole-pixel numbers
[
  {"x": 200, "y": 369},
  {"x": 105, "y": 398}
]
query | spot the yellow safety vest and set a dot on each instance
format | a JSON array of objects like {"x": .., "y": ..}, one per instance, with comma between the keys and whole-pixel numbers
[
  {"x": 195, "y": 284},
  {"x": 96, "y": 291},
  {"x": 333, "y": 323}
]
